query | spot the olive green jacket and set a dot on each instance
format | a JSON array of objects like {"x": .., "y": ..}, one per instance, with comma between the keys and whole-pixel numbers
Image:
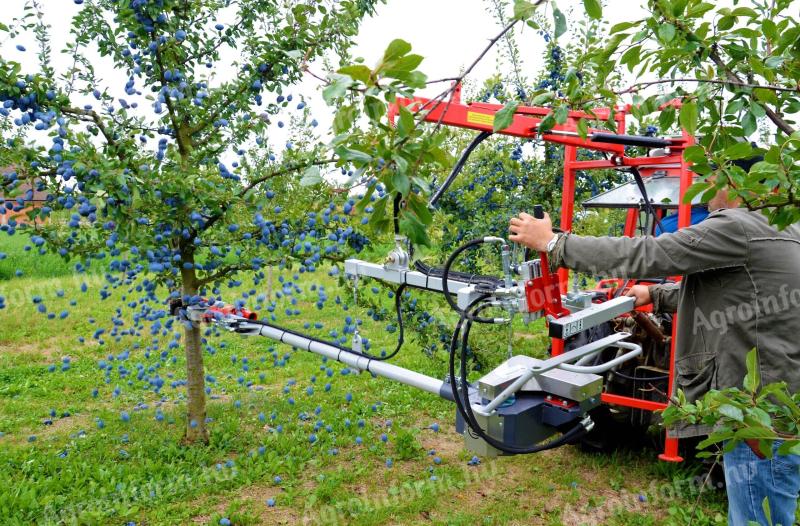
[{"x": 740, "y": 290}]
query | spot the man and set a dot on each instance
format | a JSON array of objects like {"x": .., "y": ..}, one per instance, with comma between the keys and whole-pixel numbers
[{"x": 740, "y": 290}]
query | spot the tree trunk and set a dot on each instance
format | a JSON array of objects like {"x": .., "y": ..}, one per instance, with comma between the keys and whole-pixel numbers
[{"x": 196, "y": 431}]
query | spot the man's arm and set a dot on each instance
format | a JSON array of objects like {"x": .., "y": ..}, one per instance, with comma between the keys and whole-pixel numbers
[
  {"x": 665, "y": 297},
  {"x": 717, "y": 242}
]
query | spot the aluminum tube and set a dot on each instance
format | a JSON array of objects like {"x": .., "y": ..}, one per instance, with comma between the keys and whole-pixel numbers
[
  {"x": 635, "y": 350},
  {"x": 553, "y": 363},
  {"x": 379, "y": 368}
]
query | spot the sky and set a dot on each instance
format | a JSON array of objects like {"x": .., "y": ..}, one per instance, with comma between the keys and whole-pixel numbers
[{"x": 450, "y": 34}]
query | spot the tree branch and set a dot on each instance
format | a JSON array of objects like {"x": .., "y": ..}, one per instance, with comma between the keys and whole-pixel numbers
[
  {"x": 173, "y": 116},
  {"x": 93, "y": 117},
  {"x": 732, "y": 77},
  {"x": 255, "y": 182},
  {"x": 782, "y": 125},
  {"x": 633, "y": 88}
]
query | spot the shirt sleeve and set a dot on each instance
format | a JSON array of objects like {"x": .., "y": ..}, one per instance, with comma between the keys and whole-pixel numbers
[
  {"x": 718, "y": 242},
  {"x": 665, "y": 297}
]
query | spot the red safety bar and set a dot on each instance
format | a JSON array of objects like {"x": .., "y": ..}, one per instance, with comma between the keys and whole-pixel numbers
[{"x": 525, "y": 124}]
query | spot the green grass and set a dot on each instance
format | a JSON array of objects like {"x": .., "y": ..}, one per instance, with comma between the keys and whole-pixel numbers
[
  {"x": 76, "y": 472},
  {"x": 31, "y": 264}
]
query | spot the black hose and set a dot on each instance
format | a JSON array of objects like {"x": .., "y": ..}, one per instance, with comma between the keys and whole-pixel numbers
[
  {"x": 398, "y": 198},
  {"x": 465, "y": 409},
  {"x": 446, "y": 276},
  {"x": 489, "y": 283},
  {"x": 458, "y": 167},
  {"x": 400, "y": 337},
  {"x": 648, "y": 206}
]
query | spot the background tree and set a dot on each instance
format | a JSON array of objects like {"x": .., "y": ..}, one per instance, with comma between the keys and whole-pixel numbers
[
  {"x": 734, "y": 69},
  {"x": 171, "y": 176}
]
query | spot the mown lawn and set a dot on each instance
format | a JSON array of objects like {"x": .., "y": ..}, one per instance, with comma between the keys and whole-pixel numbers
[{"x": 84, "y": 445}]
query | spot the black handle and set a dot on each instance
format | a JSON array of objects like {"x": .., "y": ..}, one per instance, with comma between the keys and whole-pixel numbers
[
  {"x": 538, "y": 211},
  {"x": 630, "y": 140}
]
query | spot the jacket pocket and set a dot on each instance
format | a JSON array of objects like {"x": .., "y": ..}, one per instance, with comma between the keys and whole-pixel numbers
[{"x": 696, "y": 374}]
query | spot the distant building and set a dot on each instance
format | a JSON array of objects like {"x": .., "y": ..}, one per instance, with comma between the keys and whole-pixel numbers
[{"x": 20, "y": 216}]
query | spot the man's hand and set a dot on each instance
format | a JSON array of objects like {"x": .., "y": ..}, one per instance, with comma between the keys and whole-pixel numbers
[
  {"x": 531, "y": 232},
  {"x": 641, "y": 293}
]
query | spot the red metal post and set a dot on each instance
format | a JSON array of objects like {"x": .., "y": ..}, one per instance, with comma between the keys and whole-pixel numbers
[
  {"x": 631, "y": 222},
  {"x": 567, "y": 203},
  {"x": 670, "y": 453}
]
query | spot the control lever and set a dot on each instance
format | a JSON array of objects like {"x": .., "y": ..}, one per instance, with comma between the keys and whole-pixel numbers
[{"x": 538, "y": 213}]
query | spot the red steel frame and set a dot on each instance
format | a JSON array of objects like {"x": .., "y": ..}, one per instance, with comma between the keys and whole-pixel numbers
[{"x": 480, "y": 117}]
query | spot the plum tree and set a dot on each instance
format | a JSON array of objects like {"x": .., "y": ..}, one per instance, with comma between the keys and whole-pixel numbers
[{"x": 171, "y": 176}]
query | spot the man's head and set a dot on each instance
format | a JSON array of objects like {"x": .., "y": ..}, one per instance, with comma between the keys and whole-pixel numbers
[{"x": 723, "y": 199}]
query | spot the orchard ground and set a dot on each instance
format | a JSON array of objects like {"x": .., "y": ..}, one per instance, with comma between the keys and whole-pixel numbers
[{"x": 70, "y": 456}]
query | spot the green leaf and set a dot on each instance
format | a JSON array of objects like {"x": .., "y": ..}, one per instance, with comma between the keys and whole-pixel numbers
[
  {"x": 337, "y": 88},
  {"x": 583, "y": 128},
  {"x": 412, "y": 227},
  {"x": 344, "y": 119},
  {"x": 405, "y": 122},
  {"x": 358, "y": 72},
  {"x": 666, "y": 118},
  {"x": 749, "y": 123},
  {"x": 397, "y": 48},
  {"x": 420, "y": 207},
  {"x": 678, "y": 7},
  {"x": 311, "y": 176},
  {"x": 715, "y": 438},
  {"x": 753, "y": 377},
  {"x": 688, "y": 117},
  {"x": 739, "y": 150},
  {"x": 523, "y": 10},
  {"x": 365, "y": 201},
  {"x": 349, "y": 154},
  {"x": 767, "y": 511},
  {"x": 401, "y": 182},
  {"x": 758, "y": 433},
  {"x": 745, "y": 11},
  {"x": 541, "y": 98},
  {"x": 631, "y": 58},
  {"x": 561, "y": 113},
  {"x": 504, "y": 117},
  {"x": 378, "y": 217},
  {"x": 547, "y": 123},
  {"x": 401, "y": 67},
  {"x": 732, "y": 412},
  {"x": 695, "y": 189},
  {"x": 789, "y": 447},
  {"x": 375, "y": 108},
  {"x": 593, "y": 9},
  {"x": 622, "y": 26},
  {"x": 700, "y": 9},
  {"x": 774, "y": 62},
  {"x": 559, "y": 22},
  {"x": 726, "y": 22},
  {"x": 666, "y": 32},
  {"x": 765, "y": 95},
  {"x": 401, "y": 163}
]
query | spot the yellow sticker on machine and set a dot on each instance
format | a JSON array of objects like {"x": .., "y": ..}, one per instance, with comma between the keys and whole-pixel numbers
[{"x": 480, "y": 118}]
